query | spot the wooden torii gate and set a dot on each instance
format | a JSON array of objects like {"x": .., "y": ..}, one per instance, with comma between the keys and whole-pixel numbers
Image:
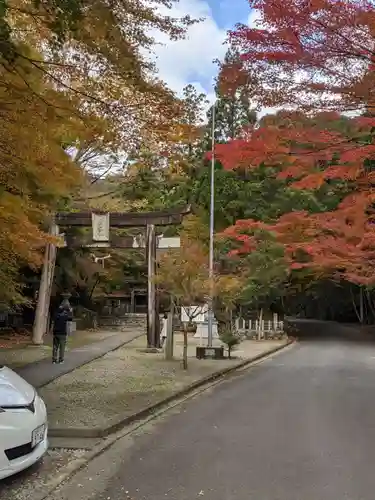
[{"x": 102, "y": 237}]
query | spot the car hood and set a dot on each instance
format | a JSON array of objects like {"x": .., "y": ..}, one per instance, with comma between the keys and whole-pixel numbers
[{"x": 14, "y": 390}]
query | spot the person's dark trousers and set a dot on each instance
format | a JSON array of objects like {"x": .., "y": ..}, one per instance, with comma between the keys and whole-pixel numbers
[{"x": 58, "y": 350}]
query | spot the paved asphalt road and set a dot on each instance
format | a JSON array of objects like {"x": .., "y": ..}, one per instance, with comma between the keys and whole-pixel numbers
[{"x": 299, "y": 426}]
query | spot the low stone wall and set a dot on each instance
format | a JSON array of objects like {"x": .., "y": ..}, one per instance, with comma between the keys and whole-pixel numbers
[{"x": 136, "y": 320}]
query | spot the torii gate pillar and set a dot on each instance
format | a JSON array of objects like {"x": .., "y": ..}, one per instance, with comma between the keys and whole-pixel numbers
[{"x": 153, "y": 335}]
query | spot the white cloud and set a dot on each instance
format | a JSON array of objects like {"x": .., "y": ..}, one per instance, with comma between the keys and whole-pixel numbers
[
  {"x": 254, "y": 19},
  {"x": 191, "y": 60}
]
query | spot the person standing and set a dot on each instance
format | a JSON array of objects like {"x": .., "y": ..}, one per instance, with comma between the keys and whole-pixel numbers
[
  {"x": 163, "y": 335},
  {"x": 61, "y": 319}
]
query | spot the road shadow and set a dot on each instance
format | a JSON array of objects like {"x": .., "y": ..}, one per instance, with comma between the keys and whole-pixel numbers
[{"x": 310, "y": 330}]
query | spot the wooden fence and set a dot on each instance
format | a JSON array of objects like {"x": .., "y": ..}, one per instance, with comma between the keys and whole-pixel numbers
[{"x": 260, "y": 329}]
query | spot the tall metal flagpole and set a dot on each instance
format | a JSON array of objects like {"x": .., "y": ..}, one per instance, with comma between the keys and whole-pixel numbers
[{"x": 211, "y": 255}]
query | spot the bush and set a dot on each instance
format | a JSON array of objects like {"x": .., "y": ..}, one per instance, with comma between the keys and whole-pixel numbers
[{"x": 231, "y": 339}]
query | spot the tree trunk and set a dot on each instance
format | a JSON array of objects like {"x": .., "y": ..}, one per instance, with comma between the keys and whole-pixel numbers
[
  {"x": 371, "y": 307},
  {"x": 169, "y": 342},
  {"x": 361, "y": 308},
  {"x": 185, "y": 357},
  {"x": 222, "y": 316},
  {"x": 157, "y": 328},
  {"x": 355, "y": 308},
  {"x": 43, "y": 305},
  {"x": 93, "y": 289},
  {"x": 260, "y": 324}
]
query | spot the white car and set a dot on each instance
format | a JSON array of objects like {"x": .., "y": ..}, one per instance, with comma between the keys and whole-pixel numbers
[{"x": 23, "y": 424}]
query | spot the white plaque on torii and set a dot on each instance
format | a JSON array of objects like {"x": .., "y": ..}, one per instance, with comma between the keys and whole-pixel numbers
[{"x": 100, "y": 227}]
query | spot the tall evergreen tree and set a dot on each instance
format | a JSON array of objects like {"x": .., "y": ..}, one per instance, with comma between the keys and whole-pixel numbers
[
  {"x": 194, "y": 104},
  {"x": 233, "y": 110}
]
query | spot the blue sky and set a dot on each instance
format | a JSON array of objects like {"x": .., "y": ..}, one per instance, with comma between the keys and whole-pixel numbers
[
  {"x": 228, "y": 12},
  {"x": 190, "y": 60}
]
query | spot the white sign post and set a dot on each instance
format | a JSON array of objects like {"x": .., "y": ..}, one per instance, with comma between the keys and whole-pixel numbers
[
  {"x": 199, "y": 315},
  {"x": 161, "y": 242}
]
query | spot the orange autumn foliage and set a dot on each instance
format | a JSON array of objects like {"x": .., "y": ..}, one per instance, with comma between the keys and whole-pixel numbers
[
  {"x": 183, "y": 273},
  {"x": 35, "y": 172},
  {"x": 99, "y": 53}
]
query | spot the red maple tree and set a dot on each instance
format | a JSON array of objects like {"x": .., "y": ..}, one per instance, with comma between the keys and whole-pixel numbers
[
  {"x": 312, "y": 151},
  {"x": 315, "y": 56}
]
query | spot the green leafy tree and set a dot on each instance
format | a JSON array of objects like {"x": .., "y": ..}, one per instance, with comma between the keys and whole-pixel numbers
[{"x": 263, "y": 269}]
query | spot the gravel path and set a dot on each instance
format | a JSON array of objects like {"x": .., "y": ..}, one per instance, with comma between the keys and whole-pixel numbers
[{"x": 126, "y": 381}]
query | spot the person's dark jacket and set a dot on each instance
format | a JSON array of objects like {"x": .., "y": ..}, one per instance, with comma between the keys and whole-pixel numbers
[{"x": 60, "y": 321}]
